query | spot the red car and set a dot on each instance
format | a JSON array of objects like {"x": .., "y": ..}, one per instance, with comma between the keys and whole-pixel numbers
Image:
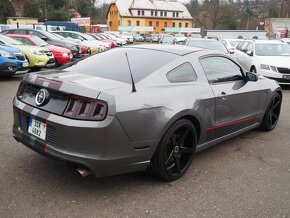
[
  {"x": 102, "y": 39},
  {"x": 62, "y": 55}
]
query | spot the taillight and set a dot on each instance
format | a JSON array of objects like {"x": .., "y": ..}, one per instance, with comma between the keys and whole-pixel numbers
[
  {"x": 84, "y": 49},
  {"x": 21, "y": 89},
  {"x": 81, "y": 108}
]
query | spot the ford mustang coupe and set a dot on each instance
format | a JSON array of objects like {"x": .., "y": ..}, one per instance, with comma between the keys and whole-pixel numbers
[{"x": 141, "y": 107}]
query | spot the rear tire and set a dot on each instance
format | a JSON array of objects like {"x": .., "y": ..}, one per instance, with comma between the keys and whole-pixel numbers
[
  {"x": 174, "y": 153},
  {"x": 272, "y": 114}
]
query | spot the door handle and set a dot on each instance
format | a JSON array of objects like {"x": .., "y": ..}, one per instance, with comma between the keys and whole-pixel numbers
[{"x": 222, "y": 96}]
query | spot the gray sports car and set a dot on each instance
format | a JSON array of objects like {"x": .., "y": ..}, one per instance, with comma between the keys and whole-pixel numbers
[{"x": 139, "y": 107}]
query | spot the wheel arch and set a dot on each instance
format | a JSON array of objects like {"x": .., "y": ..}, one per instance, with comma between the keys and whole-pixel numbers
[{"x": 189, "y": 115}]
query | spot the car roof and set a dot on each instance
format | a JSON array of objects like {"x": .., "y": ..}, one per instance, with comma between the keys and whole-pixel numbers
[
  {"x": 20, "y": 35},
  {"x": 257, "y": 41},
  {"x": 175, "y": 49},
  {"x": 27, "y": 29},
  {"x": 203, "y": 39},
  {"x": 233, "y": 39},
  {"x": 67, "y": 31}
]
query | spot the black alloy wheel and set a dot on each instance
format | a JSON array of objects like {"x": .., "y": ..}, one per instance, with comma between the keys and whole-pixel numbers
[
  {"x": 272, "y": 114},
  {"x": 175, "y": 151}
]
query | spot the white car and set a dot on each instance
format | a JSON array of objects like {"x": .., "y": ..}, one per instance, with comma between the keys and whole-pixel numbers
[
  {"x": 231, "y": 44},
  {"x": 86, "y": 40},
  {"x": 269, "y": 58},
  {"x": 287, "y": 40},
  {"x": 118, "y": 40},
  {"x": 128, "y": 36},
  {"x": 180, "y": 37}
]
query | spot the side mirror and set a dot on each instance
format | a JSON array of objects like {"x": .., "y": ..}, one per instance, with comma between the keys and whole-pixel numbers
[
  {"x": 250, "y": 53},
  {"x": 252, "y": 77}
]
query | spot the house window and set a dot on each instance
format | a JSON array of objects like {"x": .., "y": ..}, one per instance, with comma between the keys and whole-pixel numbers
[
  {"x": 150, "y": 23},
  {"x": 177, "y": 14},
  {"x": 152, "y": 13},
  {"x": 143, "y": 13},
  {"x": 186, "y": 25},
  {"x": 180, "y": 24},
  {"x": 137, "y": 23},
  {"x": 156, "y": 13},
  {"x": 165, "y": 14},
  {"x": 139, "y": 12},
  {"x": 157, "y": 23},
  {"x": 173, "y": 24},
  {"x": 110, "y": 24},
  {"x": 173, "y": 14},
  {"x": 165, "y": 24},
  {"x": 129, "y": 23},
  {"x": 161, "y": 13}
]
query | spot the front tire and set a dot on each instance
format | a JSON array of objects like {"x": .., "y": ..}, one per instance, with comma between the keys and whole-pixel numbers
[
  {"x": 272, "y": 114},
  {"x": 174, "y": 153}
]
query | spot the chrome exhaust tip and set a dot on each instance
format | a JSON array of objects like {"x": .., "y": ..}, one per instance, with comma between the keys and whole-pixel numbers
[{"x": 84, "y": 171}]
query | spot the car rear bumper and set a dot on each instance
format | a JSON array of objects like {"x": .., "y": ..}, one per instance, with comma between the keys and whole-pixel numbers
[
  {"x": 63, "y": 60},
  {"x": 103, "y": 147}
]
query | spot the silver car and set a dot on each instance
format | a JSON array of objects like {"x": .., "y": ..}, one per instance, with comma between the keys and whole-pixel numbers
[{"x": 139, "y": 107}]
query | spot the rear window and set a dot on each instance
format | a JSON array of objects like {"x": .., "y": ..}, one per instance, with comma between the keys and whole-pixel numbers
[
  {"x": 113, "y": 64},
  {"x": 206, "y": 44}
]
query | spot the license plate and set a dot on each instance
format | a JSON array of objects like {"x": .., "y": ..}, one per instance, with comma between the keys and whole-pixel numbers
[
  {"x": 37, "y": 128},
  {"x": 25, "y": 64},
  {"x": 286, "y": 77}
]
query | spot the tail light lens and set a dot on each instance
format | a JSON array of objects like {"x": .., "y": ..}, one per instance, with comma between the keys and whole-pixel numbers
[
  {"x": 84, "y": 49},
  {"x": 81, "y": 108},
  {"x": 21, "y": 89}
]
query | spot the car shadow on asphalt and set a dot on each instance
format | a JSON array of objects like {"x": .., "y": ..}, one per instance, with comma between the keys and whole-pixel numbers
[{"x": 10, "y": 79}]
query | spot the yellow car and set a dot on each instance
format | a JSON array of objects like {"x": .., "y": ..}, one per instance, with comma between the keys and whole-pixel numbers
[
  {"x": 86, "y": 40},
  {"x": 35, "y": 55}
]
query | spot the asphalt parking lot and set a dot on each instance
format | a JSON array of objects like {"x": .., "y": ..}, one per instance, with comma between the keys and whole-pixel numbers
[{"x": 248, "y": 176}]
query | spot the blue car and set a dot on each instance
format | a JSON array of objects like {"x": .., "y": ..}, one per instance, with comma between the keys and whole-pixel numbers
[{"x": 12, "y": 61}]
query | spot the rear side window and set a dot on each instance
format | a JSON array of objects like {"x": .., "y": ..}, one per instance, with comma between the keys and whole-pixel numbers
[
  {"x": 113, "y": 64},
  {"x": 25, "y": 41},
  {"x": 182, "y": 73},
  {"x": 19, "y": 31}
]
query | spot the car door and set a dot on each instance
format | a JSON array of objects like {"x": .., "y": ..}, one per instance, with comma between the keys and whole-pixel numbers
[
  {"x": 248, "y": 56},
  {"x": 241, "y": 55},
  {"x": 236, "y": 99}
]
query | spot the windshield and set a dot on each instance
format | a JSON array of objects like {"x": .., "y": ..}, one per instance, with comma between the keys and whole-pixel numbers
[
  {"x": 112, "y": 36},
  {"x": 207, "y": 44},
  {"x": 88, "y": 37},
  {"x": 38, "y": 41},
  {"x": 234, "y": 43},
  {"x": 179, "y": 35},
  {"x": 9, "y": 41},
  {"x": 143, "y": 62},
  {"x": 168, "y": 39},
  {"x": 49, "y": 35},
  {"x": 272, "y": 50}
]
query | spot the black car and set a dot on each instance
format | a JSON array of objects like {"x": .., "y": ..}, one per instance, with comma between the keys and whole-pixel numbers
[{"x": 49, "y": 38}]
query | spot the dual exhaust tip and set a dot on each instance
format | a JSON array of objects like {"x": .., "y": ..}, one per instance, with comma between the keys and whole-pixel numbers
[{"x": 84, "y": 172}]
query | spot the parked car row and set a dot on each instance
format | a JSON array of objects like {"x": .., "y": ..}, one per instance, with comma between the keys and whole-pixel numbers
[
  {"x": 269, "y": 58},
  {"x": 30, "y": 49}
]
